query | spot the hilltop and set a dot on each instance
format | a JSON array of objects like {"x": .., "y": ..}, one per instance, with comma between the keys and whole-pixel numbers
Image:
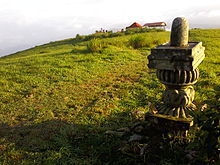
[{"x": 58, "y": 100}]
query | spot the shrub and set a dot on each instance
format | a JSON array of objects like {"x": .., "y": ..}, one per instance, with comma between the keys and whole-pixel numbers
[
  {"x": 96, "y": 35},
  {"x": 95, "y": 45},
  {"x": 117, "y": 34},
  {"x": 140, "y": 41},
  {"x": 142, "y": 30},
  {"x": 89, "y": 37},
  {"x": 79, "y": 37},
  {"x": 131, "y": 31},
  {"x": 206, "y": 141}
]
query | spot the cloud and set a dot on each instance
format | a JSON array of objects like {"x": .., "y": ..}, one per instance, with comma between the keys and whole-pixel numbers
[{"x": 27, "y": 23}]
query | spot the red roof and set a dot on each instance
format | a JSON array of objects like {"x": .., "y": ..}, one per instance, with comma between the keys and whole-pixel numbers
[
  {"x": 134, "y": 25},
  {"x": 155, "y": 24}
]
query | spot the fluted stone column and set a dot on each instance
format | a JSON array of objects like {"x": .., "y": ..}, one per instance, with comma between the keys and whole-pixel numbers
[{"x": 177, "y": 68}]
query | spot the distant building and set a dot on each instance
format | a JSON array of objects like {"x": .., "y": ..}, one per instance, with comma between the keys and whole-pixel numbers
[
  {"x": 156, "y": 25},
  {"x": 134, "y": 25}
]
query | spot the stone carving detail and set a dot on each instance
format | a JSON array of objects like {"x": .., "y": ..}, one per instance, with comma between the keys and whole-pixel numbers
[
  {"x": 176, "y": 63},
  {"x": 175, "y": 77},
  {"x": 177, "y": 102},
  {"x": 179, "y": 98},
  {"x": 179, "y": 93}
]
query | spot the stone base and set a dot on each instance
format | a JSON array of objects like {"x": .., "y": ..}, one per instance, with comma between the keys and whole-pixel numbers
[
  {"x": 176, "y": 112},
  {"x": 164, "y": 124}
]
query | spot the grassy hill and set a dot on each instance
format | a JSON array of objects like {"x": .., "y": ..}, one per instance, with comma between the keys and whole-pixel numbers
[{"x": 58, "y": 100}]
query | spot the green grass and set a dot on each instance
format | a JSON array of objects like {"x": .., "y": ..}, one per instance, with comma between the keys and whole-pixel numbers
[{"x": 57, "y": 100}]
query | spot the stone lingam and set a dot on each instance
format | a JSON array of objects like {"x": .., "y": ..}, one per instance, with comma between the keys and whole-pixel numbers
[{"x": 176, "y": 63}]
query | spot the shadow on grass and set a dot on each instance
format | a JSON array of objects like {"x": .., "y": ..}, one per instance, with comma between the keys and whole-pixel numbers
[{"x": 60, "y": 142}]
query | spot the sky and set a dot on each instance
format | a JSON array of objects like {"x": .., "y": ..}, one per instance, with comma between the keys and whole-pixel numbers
[{"x": 27, "y": 23}]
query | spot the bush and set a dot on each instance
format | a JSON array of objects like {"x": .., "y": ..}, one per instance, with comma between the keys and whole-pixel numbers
[
  {"x": 95, "y": 45},
  {"x": 142, "y": 30},
  {"x": 140, "y": 41},
  {"x": 97, "y": 35},
  {"x": 206, "y": 140},
  {"x": 79, "y": 37},
  {"x": 117, "y": 34},
  {"x": 133, "y": 31}
]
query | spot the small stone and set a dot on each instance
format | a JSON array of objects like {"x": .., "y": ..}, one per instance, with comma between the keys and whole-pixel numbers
[
  {"x": 193, "y": 153},
  {"x": 109, "y": 132},
  {"x": 204, "y": 107},
  {"x": 124, "y": 129},
  {"x": 139, "y": 129},
  {"x": 114, "y": 133},
  {"x": 138, "y": 114},
  {"x": 135, "y": 137},
  {"x": 143, "y": 149},
  {"x": 189, "y": 156}
]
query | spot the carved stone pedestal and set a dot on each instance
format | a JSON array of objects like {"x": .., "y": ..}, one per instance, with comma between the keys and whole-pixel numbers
[
  {"x": 179, "y": 93},
  {"x": 177, "y": 68}
]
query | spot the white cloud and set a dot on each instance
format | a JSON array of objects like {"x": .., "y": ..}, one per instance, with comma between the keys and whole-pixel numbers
[{"x": 38, "y": 21}]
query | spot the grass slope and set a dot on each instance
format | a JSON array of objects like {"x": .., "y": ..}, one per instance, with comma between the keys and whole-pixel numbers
[{"x": 57, "y": 100}]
